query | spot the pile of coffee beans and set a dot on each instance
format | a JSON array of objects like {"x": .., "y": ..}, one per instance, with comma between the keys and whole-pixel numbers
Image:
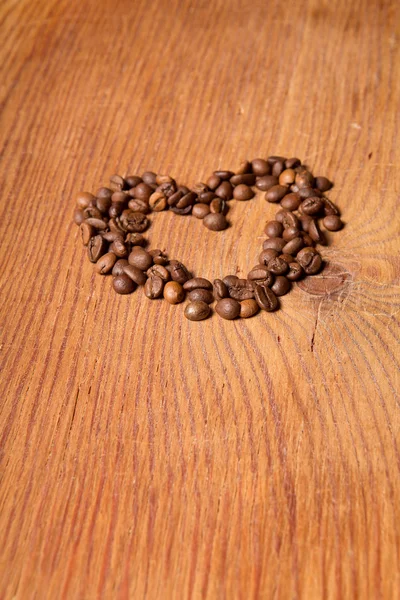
[{"x": 113, "y": 219}]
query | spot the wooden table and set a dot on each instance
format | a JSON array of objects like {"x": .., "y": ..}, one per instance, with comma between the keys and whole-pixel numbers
[{"x": 146, "y": 456}]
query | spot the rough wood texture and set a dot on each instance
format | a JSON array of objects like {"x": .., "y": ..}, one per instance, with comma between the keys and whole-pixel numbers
[{"x": 145, "y": 456}]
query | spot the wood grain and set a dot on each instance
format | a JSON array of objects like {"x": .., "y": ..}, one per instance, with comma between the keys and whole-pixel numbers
[{"x": 145, "y": 456}]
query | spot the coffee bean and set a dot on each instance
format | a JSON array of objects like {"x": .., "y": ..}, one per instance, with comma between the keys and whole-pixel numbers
[
  {"x": 200, "y": 210},
  {"x": 105, "y": 263},
  {"x": 207, "y": 197},
  {"x": 244, "y": 179},
  {"x": 197, "y": 283},
  {"x": 187, "y": 200},
  {"x": 123, "y": 284},
  {"x": 227, "y": 308},
  {"x": 287, "y": 218},
  {"x": 305, "y": 221},
  {"x": 213, "y": 182},
  {"x": 215, "y": 222},
  {"x": 331, "y": 223},
  {"x": 248, "y": 308},
  {"x": 135, "y": 239},
  {"x": 295, "y": 272},
  {"x": 260, "y": 167},
  {"x": 244, "y": 167},
  {"x": 265, "y": 298},
  {"x": 225, "y": 191},
  {"x": 273, "y": 229},
  {"x": 315, "y": 233},
  {"x": 140, "y": 258},
  {"x": 241, "y": 290},
  {"x": 157, "y": 201},
  {"x": 290, "y": 233},
  {"x": 281, "y": 286},
  {"x": 202, "y": 295},
  {"x": 120, "y": 198},
  {"x": 162, "y": 179},
  {"x": 266, "y": 183},
  {"x": 330, "y": 208},
  {"x": 271, "y": 160},
  {"x": 173, "y": 292},
  {"x": 181, "y": 211},
  {"x": 292, "y": 163},
  {"x": 159, "y": 257},
  {"x": 103, "y": 205},
  {"x": 91, "y": 212},
  {"x": 84, "y": 199},
  {"x": 220, "y": 289},
  {"x": 308, "y": 192},
  {"x": 308, "y": 241},
  {"x": 229, "y": 280},
  {"x": 97, "y": 246},
  {"x": 110, "y": 236},
  {"x": 266, "y": 255},
  {"x": 223, "y": 175},
  {"x": 159, "y": 271},
  {"x": 312, "y": 206},
  {"x": 261, "y": 274},
  {"x": 287, "y": 177},
  {"x": 79, "y": 216},
  {"x": 178, "y": 271},
  {"x": 153, "y": 287},
  {"x": 323, "y": 184},
  {"x": 115, "y": 210},
  {"x": 293, "y": 246},
  {"x": 197, "y": 311},
  {"x": 118, "y": 268},
  {"x": 218, "y": 206},
  {"x": 87, "y": 232},
  {"x": 243, "y": 192},
  {"x": 104, "y": 192},
  {"x": 142, "y": 191},
  {"x": 278, "y": 167},
  {"x": 115, "y": 225},
  {"x": 134, "y": 221},
  {"x": 168, "y": 188},
  {"x": 149, "y": 178},
  {"x": 274, "y": 243},
  {"x": 278, "y": 266},
  {"x": 291, "y": 202},
  {"x": 132, "y": 181},
  {"x": 135, "y": 274},
  {"x": 98, "y": 224},
  {"x": 310, "y": 260},
  {"x": 276, "y": 193},
  {"x": 289, "y": 258},
  {"x": 139, "y": 205},
  {"x": 119, "y": 248},
  {"x": 200, "y": 188},
  {"x": 117, "y": 183}
]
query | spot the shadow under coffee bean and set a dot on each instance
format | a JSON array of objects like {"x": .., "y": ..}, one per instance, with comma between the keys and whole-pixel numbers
[{"x": 113, "y": 220}]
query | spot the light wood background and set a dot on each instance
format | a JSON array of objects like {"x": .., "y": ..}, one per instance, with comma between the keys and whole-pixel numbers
[{"x": 145, "y": 456}]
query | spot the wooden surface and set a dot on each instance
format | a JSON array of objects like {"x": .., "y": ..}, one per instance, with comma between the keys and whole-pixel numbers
[{"x": 145, "y": 456}]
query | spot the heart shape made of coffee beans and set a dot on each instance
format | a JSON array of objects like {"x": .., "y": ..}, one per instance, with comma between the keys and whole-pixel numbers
[{"x": 113, "y": 220}]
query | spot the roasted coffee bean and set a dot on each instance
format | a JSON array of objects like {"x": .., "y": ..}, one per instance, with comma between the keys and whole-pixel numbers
[
  {"x": 115, "y": 210},
  {"x": 200, "y": 188},
  {"x": 139, "y": 205},
  {"x": 224, "y": 191},
  {"x": 120, "y": 198},
  {"x": 106, "y": 263},
  {"x": 274, "y": 243},
  {"x": 309, "y": 192},
  {"x": 117, "y": 183},
  {"x": 104, "y": 192},
  {"x": 308, "y": 241},
  {"x": 84, "y": 199},
  {"x": 149, "y": 178},
  {"x": 281, "y": 286},
  {"x": 135, "y": 239},
  {"x": 123, "y": 284},
  {"x": 315, "y": 233},
  {"x": 260, "y": 274},
  {"x": 332, "y": 223},
  {"x": 304, "y": 179},
  {"x": 135, "y": 274},
  {"x": 278, "y": 167},
  {"x": 278, "y": 266},
  {"x": 140, "y": 258},
  {"x": 79, "y": 216},
  {"x": 153, "y": 288},
  {"x": 213, "y": 182},
  {"x": 273, "y": 159},
  {"x": 244, "y": 167},
  {"x": 266, "y": 255},
  {"x": 184, "y": 189},
  {"x": 119, "y": 248},
  {"x": 276, "y": 193},
  {"x": 197, "y": 311},
  {"x": 159, "y": 271},
  {"x": 229, "y": 280},
  {"x": 305, "y": 221},
  {"x": 295, "y": 272},
  {"x": 174, "y": 198},
  {"x": 98, "y": 224},
  {"x": 287, "y": 258},
  {"x": 218, "y": 206},
  {"x": 330, "y": 208},
  {"x": 87, "y": 232},
  {"x": 220, "y": 289},
  {"x": 157, "y": 202},
  {"x": 323, "y": 184},
  {"x": 215, "y": 222},
  {"x": 202, "y": 295},
  {"x": 273, "y": 229},
  {"x": 207, "y": 197},
  {"x": 287, "y": 177},
  {"x": 118, "y": 268},
  {"x": 91, "y": 212},
  {"x": 248, "y": 308},
  {"x": 241, "y": 290},
  {"x": 293, "y": 246},
  {"x": 132, "y": 181},
  {"x": 197, "y": 283},
  {"x": 291, "y": 202},
  {"x": 181, "y": 211},
  {"x": 260, "y": 167},
  {"x": 142, "y": 191},
  {"x": 312, "y": 206},
  {"x": 159, "y": 257},
  {"x": 310, "y": 260},
  {"x": 115, "y": 225},
  {"x": 266, "y": 183},
  {"x": 290, "y": 233},
  {"x": 178, "y": 271},
  {"x": 292, "y": 163},
  {"x": 186, "y": 200},
  {"x": 228, "y": 308},
  {"x": 97, "y": 246},
  {"x": 243, "y": 192},
  {"x": 161, "y": 179},
  {"x": 287, "y": 218},
  {"x": 294, "y": 188},
  {"x": 244, "y": 179},
  {"x": 265, "y": 298},
  {"x": 223, "y": 175},
  {"x": 173, "y": 292},
  {"x": 103, "y": 205},
  {"x": 134, "y": 221},
  {"x": 200, "y": 210}
]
